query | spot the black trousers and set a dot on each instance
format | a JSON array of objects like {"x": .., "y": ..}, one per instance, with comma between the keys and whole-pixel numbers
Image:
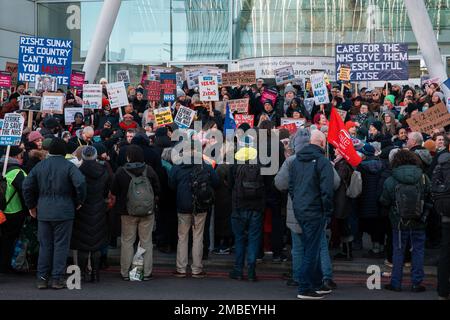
[
  {"x": 10, "y": 231},
  {"x": 444, "y": 262}
]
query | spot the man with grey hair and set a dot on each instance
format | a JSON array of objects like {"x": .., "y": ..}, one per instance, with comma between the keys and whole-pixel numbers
[
  {"x": 415, "y": 144},
  {"x": 84, "y": 138}
]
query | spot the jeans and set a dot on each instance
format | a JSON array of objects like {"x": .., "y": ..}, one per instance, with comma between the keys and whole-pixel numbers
[
  {"x": 400, "y": 239},
  {"x": 310, "y": 278},
  {"x": 297, "y": 257},
  {"x": 247, "y": 230},
  {"x": 444, "y": 262},
  {"x": 54, "y": 242}
]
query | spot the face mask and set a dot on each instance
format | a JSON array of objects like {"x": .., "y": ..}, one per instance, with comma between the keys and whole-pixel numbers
[{"x": 424, "y": 108}]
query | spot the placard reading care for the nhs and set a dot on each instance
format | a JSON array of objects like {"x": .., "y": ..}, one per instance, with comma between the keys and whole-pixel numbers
[
  {"x": 374, "y": 61},
  {"x": 45, "y": 56}
]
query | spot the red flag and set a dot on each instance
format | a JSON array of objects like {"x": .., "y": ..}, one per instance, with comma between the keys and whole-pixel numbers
[{"x": 339, "y": 137}]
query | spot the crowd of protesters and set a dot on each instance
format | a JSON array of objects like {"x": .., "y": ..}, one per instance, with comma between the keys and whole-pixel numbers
[{"x": 81, "y": 184}]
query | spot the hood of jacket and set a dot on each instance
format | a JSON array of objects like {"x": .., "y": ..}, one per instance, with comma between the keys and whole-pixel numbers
[
  {"x": 246, "y": 154},
  {"x": 424, "y": 155},
  {"x": 407, "y": 174},
  {"x": 310, "y": 152},
  {"x": 135, "y": 168},
  {"x": 372, "y": 165},
  {"x": 443, "y": 158},
  {"x": 92, "y": 169}
]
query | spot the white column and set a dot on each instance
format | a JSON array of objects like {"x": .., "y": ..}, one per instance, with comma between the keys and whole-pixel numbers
[
  {"x": 105, "y": 24},
  {"x": 426, "y": 38}
]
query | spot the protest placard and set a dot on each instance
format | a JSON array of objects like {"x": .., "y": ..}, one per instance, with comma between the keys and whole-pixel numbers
[
  {"x": 208, "y": 88},
  {"x": 244, "y": 118},
  {"x": 168, "y": 86},
  {"x": 45, "y": 83},
  {"x": 30, "y": 103},
  {"x": 192, "y": 78},
  {"x": 69, "y": 114},
  {"x": 309, "y": 104},
  {"x": 238, "y": 105},
  {"x": 319, "y": 88},
  {"x": 52, "y": 102},
  {"x": 45, "y": 56},
  {"x": 117, "y": 94},
  {"x": 155, "y": 72},
  {"x": 163, "y": 116},
  {"x": 92, "y": 96},
  {"x": 291, "y": 127},
  {"x": 123, "y": 75},
  {"x": 5, "y": 80},
  {"x": 342, "y": 113},
  {"x": 184, "y": 117},
  {"x": 284, "y": 75},
  {"x": 374, "y": 61},
  {"x": 344, "y": 72},
  {"x": 269, "y": 94},
  {"x": 238, "y": 78},
  {"x": 153, "y": 90},
  {"x": 77, "y": 79},
  {"x": 12, "y": 68},
  {"x": 11, "y": 129},
  {"x": 298, "y": 122},
  {"x": 436, "y": 117}
]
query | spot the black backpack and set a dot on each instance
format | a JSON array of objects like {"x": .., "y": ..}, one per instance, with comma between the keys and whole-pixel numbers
[
  {"x": 249, "y": 182},
  {"x": 202, "y": 191},
  {"x": 409, "y": 200},
  {"x": 440, "y": 189}
]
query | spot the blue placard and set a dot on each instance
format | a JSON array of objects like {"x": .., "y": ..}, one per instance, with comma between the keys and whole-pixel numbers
[
  {"x": 45, "y": 56},
  {"x": 168, "y": 86},
  {"x": 374, "y": 61}
]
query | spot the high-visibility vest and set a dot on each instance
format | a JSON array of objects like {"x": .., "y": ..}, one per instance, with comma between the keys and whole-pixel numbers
[{"x": 12, "y": 196}]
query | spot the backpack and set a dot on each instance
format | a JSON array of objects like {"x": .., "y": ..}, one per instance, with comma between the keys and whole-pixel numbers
[
  {"x": 140, "y": 197},
  {"x": 440, "y": 190},
  {"x": 355, "y": 187},
  {"x": 249, "y": 182},
  {"x": 409, "y": 200},
  {"x": 201, "y": 189}
]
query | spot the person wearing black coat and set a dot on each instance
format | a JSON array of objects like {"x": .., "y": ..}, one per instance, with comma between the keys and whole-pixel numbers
[{"x": 90, "y": 229}]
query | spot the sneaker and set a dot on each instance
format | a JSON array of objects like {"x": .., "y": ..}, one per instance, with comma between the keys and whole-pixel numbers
[
  {"x": 310, "y": 296},
  {"x": 58, "y": 284},
  {"x": 388, "y": 264},
  {"x": 279, "y": 259},
  {"x": 390, "y": 287},
  {"x": 268, "y": 252},
  {"x": 235, "y": 275},
  {"x": 407, "y": 264},
  {"x": 179, "y": 274},
  {"x": 324, "y": 290},
  {"x": 222, "y": 251},
  {"x": 292, "y": 283},
  {"x": 42, "y": 283},
  {"x": 330, "y": 284},
  {"x": 200, "y": 275},
  {"x": 418, "y": 288}
]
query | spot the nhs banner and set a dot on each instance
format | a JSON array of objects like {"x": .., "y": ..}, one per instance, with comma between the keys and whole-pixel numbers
[
  {"x": 374, "y": 61},
  {"x": 45, "y": 56}
]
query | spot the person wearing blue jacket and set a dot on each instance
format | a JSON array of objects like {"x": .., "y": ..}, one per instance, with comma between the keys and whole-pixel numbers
[{"x": 311, "y": 179}]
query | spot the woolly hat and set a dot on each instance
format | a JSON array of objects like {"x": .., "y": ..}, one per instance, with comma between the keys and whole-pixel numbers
[
  {"x": 377, "y": 125},
  {"x": 161, "y": 132},
  {"x": 89, "y": 153},
  {"x": 290, "y": 88},
  {"x": 51, "y": 123},
  {"x": 301, "y": 139},
  {"x": 58, "y": 147},
  {"x": 367, "y": 150},
  {"x": 269, "y": 102},
  {"x": 100, "y": 147},
  {"x": 349, "y": 124},
  {"x": 391, "y": 98},
  {"x": 15, "y": 150},
  {"x": 430, "y": 145},
  {"x": 35, "y": 135}
]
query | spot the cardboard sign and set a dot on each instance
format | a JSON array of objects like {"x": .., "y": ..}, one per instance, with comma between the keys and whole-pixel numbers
[
  {"x": 319, "y": 88},
  {"x": 291, "y": 127},
  {"x": 5, "y": 80},
  {"x": 238, "y": 105},
  {"x": 117, "y": 94},
  {"x": 192, "y": 78},
  {"x": 69, "y": 114},
  {"x": 284, "y": 75},
  {"x": 184, "y": 117},
  {"x": 52, "y": 102},
  {"x": 168, "y": 86},
  {"x": 12, "y": 68},
  {"x": 153, "y": 89},
  {"x": 297, "y": 122},
  {"x": 163, "y": 116},
  {"x": 374, "y": 61},
  {"x": 123, "y": 75},
  {"x": 342, "y": 113},
  {"x": 92, "y": 96},
  {"x": 155, "y": 72},
  {"x": 11, "y": 131},
  {"x": 30, "y": 103},
  {"x": 268, "y": 94},
  {"x": 436, "y": 117},
  {"x": 45, "y": 56},
  {"x": 45, "y": 83},
  {"x": 77, "y": 79},
  {"x": 239, "y": 78},
  {"x": 208, "y": 88},
  {"x": 344, "y": 72},
  {"x": 244, "y": 118}
]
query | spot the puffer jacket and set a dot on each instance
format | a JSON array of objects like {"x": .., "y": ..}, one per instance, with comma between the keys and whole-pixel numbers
[
  {"x": 371, "y": 169},
  {"x": 311, "y": 184},
  {"x": 56, "y": 187},
  {"x": 90, "y": 228}
]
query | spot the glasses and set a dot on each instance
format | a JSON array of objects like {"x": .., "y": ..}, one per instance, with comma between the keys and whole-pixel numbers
[{"x": 375, "y": 94}]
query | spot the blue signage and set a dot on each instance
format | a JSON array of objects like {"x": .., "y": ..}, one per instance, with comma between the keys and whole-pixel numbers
[
  {"x": 45, "y": 56},
  {"x": 374, "y": 61}
]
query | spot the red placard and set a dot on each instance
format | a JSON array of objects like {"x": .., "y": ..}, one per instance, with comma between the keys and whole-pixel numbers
[
  {"x": 153, "y": 89},
  {"x": 77, "y": 79},
  {"x": 240, "y": 118},
  {"x": 291, "y": 127},
  {"x": 5, "y": 80},
  {"x": 269, "y": 95}
]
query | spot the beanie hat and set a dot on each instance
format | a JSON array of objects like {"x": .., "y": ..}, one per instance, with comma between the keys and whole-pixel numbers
[
  {"x": 377, "y": 125},
  {"x": 440, "y": 95},
  {"x": 89, "y": 153},
  {"x": 367, "y": 150},
  {"x": 105, "y": 102},
  {"x": 139, "y": 90},
  {"x": 58, "y": 147},
  {"x": 290, "y": 88},
  {"x": 51, "y": 123},
  {"x": 15, "y": 150},
  {"x": 35, "y": 135},
  {"x": 430, "y": 145},
  {"x": 391, "y": 98},
  {"x": 269, "y": 102},
  {"x": 161, "y": 132},
  {"x": 100, "y": 147},
  {"x": 349, "y": 124},
  {"x": 46, "y": 143},
  {"x": 301, "y": 139}
]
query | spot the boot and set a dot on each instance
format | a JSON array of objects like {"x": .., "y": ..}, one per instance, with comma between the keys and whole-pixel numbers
[
  {"x": 83, "y": 257},
  {"x": 346, "y": 253},
  {"x": 95, "y": 262}
]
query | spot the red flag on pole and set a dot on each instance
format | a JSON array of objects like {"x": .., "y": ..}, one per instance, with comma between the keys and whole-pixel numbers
[{"x": 339, "y": 137}]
